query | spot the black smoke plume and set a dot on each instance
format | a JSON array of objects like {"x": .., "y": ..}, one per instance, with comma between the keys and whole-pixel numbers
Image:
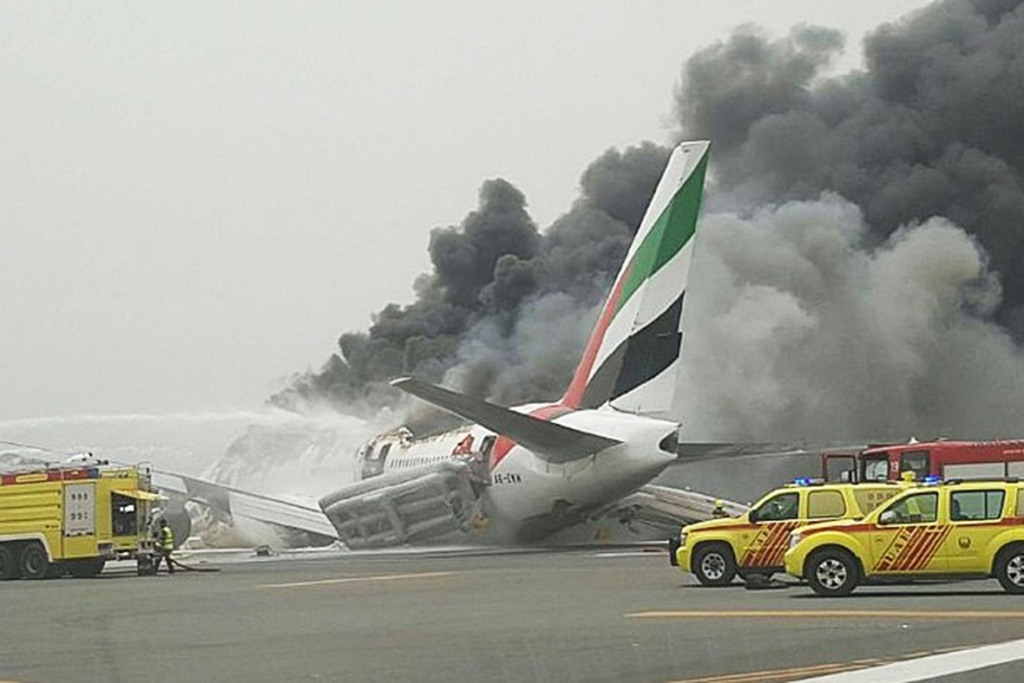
[
  {"x": 933, "y": 127},
  {"x": 858, "y": 272},
  {"x": 505, "y": 310}
]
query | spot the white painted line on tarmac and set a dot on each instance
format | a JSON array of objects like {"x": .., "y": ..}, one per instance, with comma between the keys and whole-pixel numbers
[
  {"x": 360, "y": 579},
  {"x": 827, "y": 614},
  {"x": 926, "y": 668}
]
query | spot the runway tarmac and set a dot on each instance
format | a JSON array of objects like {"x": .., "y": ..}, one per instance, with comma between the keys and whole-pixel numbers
[{"x": 588, "y": 615}]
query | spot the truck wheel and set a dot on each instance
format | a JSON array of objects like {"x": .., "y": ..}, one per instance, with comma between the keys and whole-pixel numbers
[
  {"x": 714, "y": 564},
  {"x": 7, "y": 566},
  {"x": 1010, "y": 569},
  {"x": 832, "y": 572},
  {"x": 34, "y": 563}
]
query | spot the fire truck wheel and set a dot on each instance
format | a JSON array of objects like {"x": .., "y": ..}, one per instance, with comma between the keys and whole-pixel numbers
[
  {"x": 1010, "y": 568},
  {"x": 7, "y": 566},
  {"x": 832, "y": 572},
  {"x": 34, "y": 563},
  {"x": 714, "y": 564}
]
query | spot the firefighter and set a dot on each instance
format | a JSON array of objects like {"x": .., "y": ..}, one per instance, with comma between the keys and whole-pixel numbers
[
  {"x": 164, "y": 545},
  {"x": 719, "y": 510}
]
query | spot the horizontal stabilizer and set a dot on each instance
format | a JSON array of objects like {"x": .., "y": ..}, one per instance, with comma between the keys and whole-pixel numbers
[{"x": 552, "y": 442}]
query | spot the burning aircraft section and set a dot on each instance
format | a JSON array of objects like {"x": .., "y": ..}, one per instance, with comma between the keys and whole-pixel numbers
[
  {"x": 859, "y": 270},
  {"x": 859, "y": 264}
]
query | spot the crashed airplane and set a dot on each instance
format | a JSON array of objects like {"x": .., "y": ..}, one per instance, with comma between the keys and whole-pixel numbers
[{"x": 521, "y": 474}]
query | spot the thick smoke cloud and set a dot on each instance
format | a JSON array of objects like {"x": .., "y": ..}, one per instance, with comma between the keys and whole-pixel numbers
[
  {"x": 505, "y": 311},
  {"x": 933, "y": 127},
  {"x": 859, "y": 271},
  {"x": 803, "y": 331}
]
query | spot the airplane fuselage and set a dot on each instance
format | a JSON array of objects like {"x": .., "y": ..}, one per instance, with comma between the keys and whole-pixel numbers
[{"x": 526, "y": 497}]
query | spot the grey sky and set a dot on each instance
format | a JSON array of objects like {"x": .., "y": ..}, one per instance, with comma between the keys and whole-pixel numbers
[{"x": 197, "y": 198}]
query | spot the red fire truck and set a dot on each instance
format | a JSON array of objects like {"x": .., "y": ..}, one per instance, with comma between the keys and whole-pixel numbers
[{"x": 944, "y": 459}]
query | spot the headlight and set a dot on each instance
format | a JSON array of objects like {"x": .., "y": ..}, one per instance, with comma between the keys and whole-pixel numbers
[
  {"x": 682, "y": 539},
  {"x": 794, "y": 538}
]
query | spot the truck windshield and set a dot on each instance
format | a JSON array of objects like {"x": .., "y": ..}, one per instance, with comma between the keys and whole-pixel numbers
[
  {"x": 876, "y": 468},
  {"x": 916, "y": 462}
]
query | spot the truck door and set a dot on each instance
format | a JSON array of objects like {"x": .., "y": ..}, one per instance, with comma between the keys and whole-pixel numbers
[
  {"x": 765, "y": 545},
  {"x": 974, "y": 518},
  {"x": 907, "y": 537}
]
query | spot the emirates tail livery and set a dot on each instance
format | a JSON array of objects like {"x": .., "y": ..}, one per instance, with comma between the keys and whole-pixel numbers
[{"x": 519, "y": 474}]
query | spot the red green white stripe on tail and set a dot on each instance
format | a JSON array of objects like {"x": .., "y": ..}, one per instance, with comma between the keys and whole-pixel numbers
[{"x": 633, "y": 354}]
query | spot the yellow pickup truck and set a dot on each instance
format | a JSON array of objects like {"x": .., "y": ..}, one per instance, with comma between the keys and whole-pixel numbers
[
  {"x": 953, "y": 530},
  {"x": 754, "y": 543}
]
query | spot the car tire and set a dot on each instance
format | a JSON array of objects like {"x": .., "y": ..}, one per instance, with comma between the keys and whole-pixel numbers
[
  {"x": 1010, "y": 568},
  {"x": 714, "y": 564},
  {"x": 832, "y": 572},
  {"x": 34, "y": 563},
  {"x": 8, "y": 569}
]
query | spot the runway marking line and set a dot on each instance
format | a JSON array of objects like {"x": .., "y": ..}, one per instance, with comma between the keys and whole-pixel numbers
[
  {"x": 829, "y": 614},
  {"x": 800, "y": 672},
  {"x": 784, "y": 674},
  {"x": 359, "y": 579}
]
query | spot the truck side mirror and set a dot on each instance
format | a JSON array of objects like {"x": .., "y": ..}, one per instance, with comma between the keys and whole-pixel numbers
[
  {"x": 887, "y": 517},
  {"x": 752, "y": 516}
]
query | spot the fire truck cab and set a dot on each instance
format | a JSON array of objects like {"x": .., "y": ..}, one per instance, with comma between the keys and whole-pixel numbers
[
  {"x": 72, "y": 518},
  {"x": 942, "y": 459}
]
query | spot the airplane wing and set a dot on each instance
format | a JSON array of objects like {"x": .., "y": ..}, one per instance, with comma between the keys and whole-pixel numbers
[
  {"x": 695, "y": 451},
  {"x": 553, "y": 442},
  {"x": 665, "y": 508},
  {"x": 238, "y": 503}
]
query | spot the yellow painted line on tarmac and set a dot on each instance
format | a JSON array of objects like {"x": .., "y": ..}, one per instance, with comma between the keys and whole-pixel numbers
[
  {"x": 360, "y": 579},
  {"x": 785, "y": 674},
  {"x": 829, "y": 614}
]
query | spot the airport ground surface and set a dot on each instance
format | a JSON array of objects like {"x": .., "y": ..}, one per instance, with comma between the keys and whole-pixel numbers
[{"x": 594, "y": 615}]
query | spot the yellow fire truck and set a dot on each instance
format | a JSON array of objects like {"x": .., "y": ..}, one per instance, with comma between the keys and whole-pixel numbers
[{"x": 72, "y": 518}]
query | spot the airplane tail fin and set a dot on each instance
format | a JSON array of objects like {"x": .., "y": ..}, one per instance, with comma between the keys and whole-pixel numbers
[{"x": 631, "y": 359}]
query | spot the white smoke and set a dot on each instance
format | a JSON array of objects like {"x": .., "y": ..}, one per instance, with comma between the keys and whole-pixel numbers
[
  {"x": 302, "y": 454},
  {"x": 798, "y": 327}
]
